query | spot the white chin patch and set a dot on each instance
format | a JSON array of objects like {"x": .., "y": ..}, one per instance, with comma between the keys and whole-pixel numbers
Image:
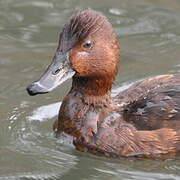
[{"x": 83, "y": 53}]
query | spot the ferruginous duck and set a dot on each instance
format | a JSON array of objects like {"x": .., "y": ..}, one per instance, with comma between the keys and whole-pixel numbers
[{"x": 142, "y": 121}]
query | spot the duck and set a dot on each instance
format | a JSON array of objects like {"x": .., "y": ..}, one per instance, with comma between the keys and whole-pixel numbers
[{"x": 141, "y": 121}]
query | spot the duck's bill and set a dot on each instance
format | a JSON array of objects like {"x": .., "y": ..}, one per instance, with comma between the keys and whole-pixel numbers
[{"x": 57, "y": 72}]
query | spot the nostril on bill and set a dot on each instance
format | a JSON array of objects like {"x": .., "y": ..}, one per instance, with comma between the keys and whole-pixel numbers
[{"x": 56, "y": 71}]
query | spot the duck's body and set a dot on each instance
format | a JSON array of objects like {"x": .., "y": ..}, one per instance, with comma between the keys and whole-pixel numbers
[
  {"x": 141, "y": 121},
  {"x": 153, "y": 103}
]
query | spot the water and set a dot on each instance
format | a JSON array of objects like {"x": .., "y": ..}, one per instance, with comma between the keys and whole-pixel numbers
[{"x": 150, "y": 42}]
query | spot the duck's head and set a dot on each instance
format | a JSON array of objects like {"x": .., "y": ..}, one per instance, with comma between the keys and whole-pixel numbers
[{"x": 88, "y": 48}]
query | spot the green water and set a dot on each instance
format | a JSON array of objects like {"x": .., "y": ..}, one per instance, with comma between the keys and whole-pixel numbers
[{"x": 149, "y": 32}]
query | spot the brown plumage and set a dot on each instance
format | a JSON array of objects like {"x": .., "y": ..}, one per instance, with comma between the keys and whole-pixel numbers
[
  {"x": 79, "y": 26},
  {"x": 142, "y": 121}
]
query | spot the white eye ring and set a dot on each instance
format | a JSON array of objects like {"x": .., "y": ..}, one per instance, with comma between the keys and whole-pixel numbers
[{"x": 87, "y": 44}]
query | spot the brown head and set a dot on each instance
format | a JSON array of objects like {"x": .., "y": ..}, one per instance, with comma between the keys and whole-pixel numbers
[{"x": 88, "y": 50}]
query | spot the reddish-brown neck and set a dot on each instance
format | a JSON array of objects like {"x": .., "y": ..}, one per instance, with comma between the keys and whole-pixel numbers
[{"x": 92, "y": 86}]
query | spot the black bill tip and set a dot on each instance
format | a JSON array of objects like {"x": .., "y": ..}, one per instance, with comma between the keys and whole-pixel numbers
[{"x": 35, "y": 89}]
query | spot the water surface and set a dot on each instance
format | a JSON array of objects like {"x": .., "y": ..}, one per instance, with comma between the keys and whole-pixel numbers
[{"x": 150, "y": 45}]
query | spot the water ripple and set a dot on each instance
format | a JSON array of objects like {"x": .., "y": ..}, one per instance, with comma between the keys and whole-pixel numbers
[
  {"x": 117, "y": 12},
  {"x": 45, "y": 112},
  {"x": 41, "y": 4},
  {"x": 143, "y": 26}
]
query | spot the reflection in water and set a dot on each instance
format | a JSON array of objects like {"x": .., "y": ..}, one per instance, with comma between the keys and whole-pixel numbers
[{"x": 29, "y": 30}]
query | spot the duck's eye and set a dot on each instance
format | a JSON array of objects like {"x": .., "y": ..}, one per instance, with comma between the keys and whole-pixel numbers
[{"x": 87, "y": 44}]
